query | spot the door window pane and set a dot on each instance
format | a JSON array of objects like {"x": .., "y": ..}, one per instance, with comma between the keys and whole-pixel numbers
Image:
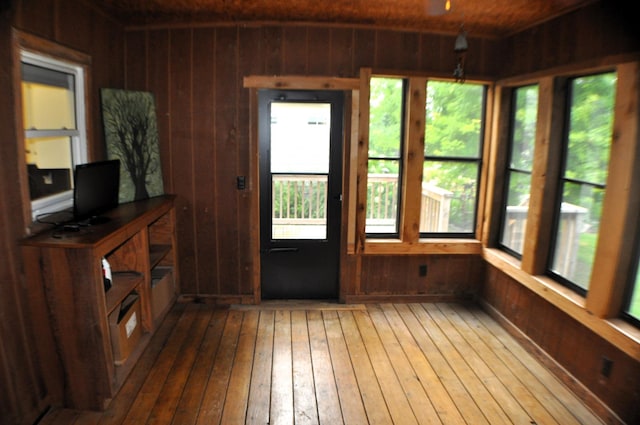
[
  {"x": 299, "y": 206},
  {"x": 300, "y": 137},
  {"x": 299, "y": 161}
]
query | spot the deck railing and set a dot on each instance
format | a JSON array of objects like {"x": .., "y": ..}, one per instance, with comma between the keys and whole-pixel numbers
[
  {"x": 435, "y": 208},
  {"x": 571, "y": 221},
  {"x": 301, "y": 201},
  {"x": 299, "y": 206}
]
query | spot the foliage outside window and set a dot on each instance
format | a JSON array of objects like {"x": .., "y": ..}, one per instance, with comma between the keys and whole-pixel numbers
[
  {"x": 518, "y": 176},
  {"x": 632, "y": 305},
  {"x": 452, "y": 158},
  {"x": 385, "y": 148},
  {"x": 582, "y": 183},
  {"x": 55, "y": 141}
]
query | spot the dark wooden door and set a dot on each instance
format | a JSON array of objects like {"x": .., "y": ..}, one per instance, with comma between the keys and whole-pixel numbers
[{"x": 300, "y": 193}]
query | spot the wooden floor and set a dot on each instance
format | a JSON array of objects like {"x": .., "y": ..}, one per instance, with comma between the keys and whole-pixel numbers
[{"x": 335, "y": 364}]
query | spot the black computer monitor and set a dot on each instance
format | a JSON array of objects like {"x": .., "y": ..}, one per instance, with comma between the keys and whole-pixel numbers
[{"x": 96, "y": 187}]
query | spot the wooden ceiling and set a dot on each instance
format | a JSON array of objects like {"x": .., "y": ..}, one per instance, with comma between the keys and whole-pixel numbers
[{"x": 490, "y": 18}]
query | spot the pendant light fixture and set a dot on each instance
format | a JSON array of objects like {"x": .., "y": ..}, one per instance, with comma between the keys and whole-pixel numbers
[{"x": 460, "y": 48}]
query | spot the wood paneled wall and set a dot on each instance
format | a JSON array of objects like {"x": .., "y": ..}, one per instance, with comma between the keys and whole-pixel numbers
[
  {"x": 447, "y": 276},
  {"x": 20, "y": 397},
  {"x": 589, "y": 35},
  {"x": 75, "y": 24},
  {"x": 204, "y": 119},
  {"x": 573, "y": 346}
]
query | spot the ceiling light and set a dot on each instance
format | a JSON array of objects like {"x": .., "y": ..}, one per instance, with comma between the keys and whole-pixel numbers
[{"x": 437, "y": 7}]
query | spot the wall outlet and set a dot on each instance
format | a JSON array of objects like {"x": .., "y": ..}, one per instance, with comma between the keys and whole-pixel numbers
[
  {"x": 422, "y": 270},
  {"x": 607, "y": 364},
  {"x": 241, "y": 182}
]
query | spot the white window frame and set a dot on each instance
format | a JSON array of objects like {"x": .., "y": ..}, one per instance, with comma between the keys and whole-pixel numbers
[{"x": 79, "y": 155}]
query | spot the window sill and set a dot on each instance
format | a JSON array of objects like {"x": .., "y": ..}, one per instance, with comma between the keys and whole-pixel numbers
[
  {"x": 616, "y": 331},
  {"x": 423, "y": 246}
]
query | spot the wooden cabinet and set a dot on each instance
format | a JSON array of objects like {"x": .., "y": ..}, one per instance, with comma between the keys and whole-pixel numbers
[{"x": 67, "y": 295}]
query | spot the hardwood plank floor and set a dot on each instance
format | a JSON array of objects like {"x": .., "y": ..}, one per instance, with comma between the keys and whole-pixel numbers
[{"x": 318, "y": 363}]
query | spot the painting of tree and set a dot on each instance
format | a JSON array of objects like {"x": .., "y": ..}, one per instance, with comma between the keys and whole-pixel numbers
[{"x": 131, "y": 134}]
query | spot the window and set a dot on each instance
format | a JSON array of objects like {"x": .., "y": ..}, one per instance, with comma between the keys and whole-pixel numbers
[
  {"x": 452, "y": 158},
  {"x": 406, "y": 113},
  {"x": 55, "y": 135},
  {"x": 587, "y": 144},
  {"x": 386, "y": 131},
  {"x": 524, "y": 112},
  {"x": 632, "y": 305}
]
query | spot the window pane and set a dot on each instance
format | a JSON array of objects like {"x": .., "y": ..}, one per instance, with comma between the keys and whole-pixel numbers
[
  {"x": 633, "y": 308},
  {"x": 449, "y": 192},
  {"x": 577, "y": 233},
  {"x": 586, "y": 163},
  {"x": 49, "y": 165},
  {"x": 590, "y": 128},
  {"x": 47, "y": 107},
  {"x": 385, "y": 117},
  {"x": 453, "y": 119},
  {"x": 515, "y": 219},
  {"x": 524, "y": 128},
  {"x": 291, "y": 153},
  {"x": 49, "y": 152},
  {"x": 523, "y": 132},
  {"x": 382, "y": 197},
  {"x": 385, "y": 145}
]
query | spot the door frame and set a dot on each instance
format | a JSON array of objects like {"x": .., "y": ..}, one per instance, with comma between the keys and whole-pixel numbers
[{"x": 351, "y": 87}]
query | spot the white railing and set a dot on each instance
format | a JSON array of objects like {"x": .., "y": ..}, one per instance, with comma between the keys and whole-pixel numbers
[
  {"x": 300, "y": 203},
  {"x": 571, "y": 222},
  {"x": 300, "y": 200},
  {"x": 435, "y": 206},
  {"x": 382, "y": 203}
]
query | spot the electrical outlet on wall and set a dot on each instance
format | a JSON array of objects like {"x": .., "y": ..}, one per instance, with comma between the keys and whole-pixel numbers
[
  {"x": 241, "y": 182},
  {"x": 607, "y": 365},
  {"x": 422, "y": 270}
]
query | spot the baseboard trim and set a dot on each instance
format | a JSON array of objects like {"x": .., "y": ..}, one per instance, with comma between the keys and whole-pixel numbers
[
  {"x": 590, "y": 399},
  {"x": 406, "y": 298}
]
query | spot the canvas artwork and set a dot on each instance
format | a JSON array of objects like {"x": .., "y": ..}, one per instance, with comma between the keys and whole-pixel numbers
[{"x": 131, "y": 135}]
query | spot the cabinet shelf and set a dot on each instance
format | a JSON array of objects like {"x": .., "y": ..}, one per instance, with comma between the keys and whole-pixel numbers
[
  {"x": 122, "y": 283},
  {"x": 157, "y": 253}
]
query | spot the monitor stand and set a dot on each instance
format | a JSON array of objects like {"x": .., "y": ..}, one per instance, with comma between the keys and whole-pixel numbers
[{"x": 95, "y": 220}]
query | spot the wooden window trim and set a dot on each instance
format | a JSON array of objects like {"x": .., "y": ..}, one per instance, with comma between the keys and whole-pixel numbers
[
  {"x": 410, "y": 241},
  {"x": 25, "y": 41},
  {"x": 600, "y": 309},
  {"x": 621, "y": 205},
  {"x": 616, "y": 331}
]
